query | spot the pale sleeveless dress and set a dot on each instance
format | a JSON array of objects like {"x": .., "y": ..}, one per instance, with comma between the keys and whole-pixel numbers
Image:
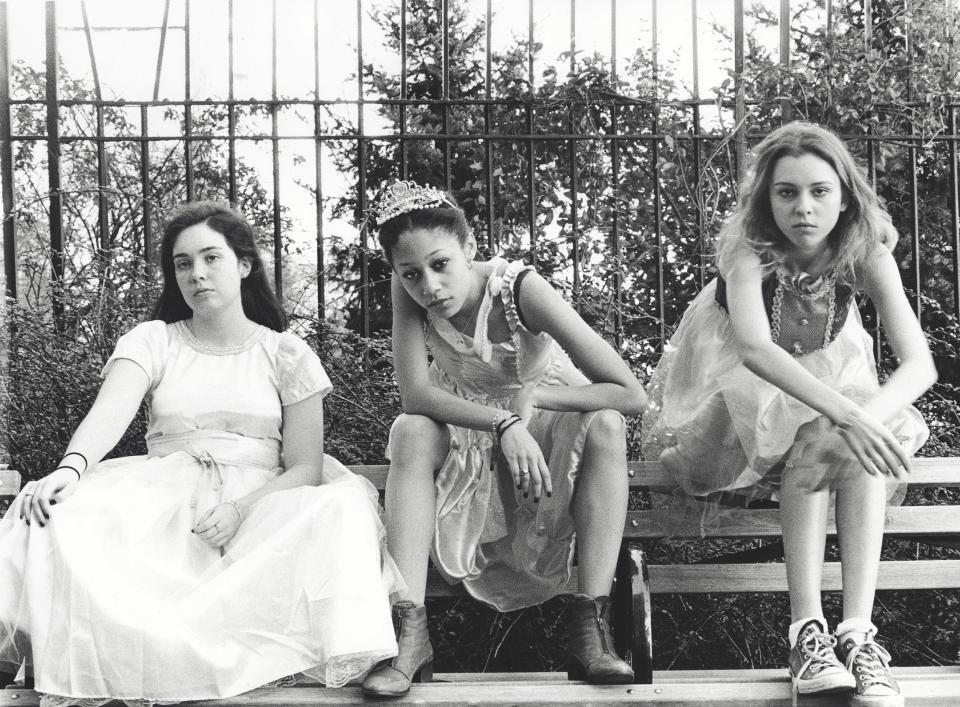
[
  {"x": 506, "y": 550},
  {"x": 718, "y": 427},
  {"x": 116, "y": 598}
]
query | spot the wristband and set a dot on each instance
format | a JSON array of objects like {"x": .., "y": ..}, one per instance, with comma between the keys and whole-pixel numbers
[
  {"x": 514, "y": 420},
  {"x": 70, "y": 454},
  {"x": 71, "y": 468},
  {"x": 500, "y": 425}
]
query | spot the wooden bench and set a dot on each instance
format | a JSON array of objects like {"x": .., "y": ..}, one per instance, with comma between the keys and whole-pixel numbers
[{"x": 637, "y": 582}]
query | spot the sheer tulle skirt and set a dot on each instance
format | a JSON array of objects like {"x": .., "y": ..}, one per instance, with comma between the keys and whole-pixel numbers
[
  {"x": 116, "y": 598},
  {"x": 718, "y": 427}
]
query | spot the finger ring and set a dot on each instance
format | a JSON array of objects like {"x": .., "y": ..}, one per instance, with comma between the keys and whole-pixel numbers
[
  {"x": 524, "y": 472},
  {"x": 27, "y": 494}
]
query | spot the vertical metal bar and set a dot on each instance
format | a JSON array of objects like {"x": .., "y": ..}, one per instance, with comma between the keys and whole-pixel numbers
[
  {"x": 187, "y": 108},
  {"x": 615, "y": 178},
  {"x": 572, "y": 157},
  {"x": 697, "y": 158},
  {"x": 915, "y": 225},
  {"x": 531, "y": 148},
  {"x": 362, "y": 183},
  {"x": 145, "y": 198},
  {"x": 445, "y": 89},
  {"x": 231, "y": 111},
  {"x": 163, "y": 42},
  {"x": 955, "y": 210},
  {"x": 275, "y": 154},
  {"x": 867, "y": 23},
  {"x": 102, "y": 177},
  {"x": 53, "y": 158},
  {"x": 488, "y": 125},
  {"x": 655, "y": 175},
  {"x": 786, "y": 110},
  {"x": 103, "y": 221},
  {"x": 739, "y": 108},
  {"x": 318, "y": 167},
  {"x": 404, "y": 167},
  {"x": 6, "y": 162}
]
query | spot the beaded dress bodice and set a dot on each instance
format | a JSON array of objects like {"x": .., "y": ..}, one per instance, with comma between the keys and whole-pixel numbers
[{"x": 805, "y": 313}]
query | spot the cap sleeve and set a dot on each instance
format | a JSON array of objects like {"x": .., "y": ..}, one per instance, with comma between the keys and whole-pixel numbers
[
  {"x": 146, "y": 346},
  {"x": 508, "y": 292},
  {"x": 299, "y": 369}
]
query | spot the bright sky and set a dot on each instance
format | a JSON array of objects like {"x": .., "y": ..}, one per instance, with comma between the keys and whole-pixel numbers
[{"x": 127, "y": 58}]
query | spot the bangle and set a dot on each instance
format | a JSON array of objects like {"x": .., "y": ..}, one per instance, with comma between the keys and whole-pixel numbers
[
  {"x": 513, "y": 420},
  {"x": 236, "y": 507},
  {"x": 70, "y": 454},
  {"x": 71, "y": 468},
  {"x": 498, "y": 419},
  {"x": 500, "y": 425}
]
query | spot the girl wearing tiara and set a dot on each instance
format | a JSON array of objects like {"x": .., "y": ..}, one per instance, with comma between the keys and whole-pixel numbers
[
  {"x": 511, "y": 448},
  {"x": 235, "y": 553},
  {"x": 769, "y": 387}
]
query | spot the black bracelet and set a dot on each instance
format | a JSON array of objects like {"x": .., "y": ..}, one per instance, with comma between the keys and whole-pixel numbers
[
  {"x": 500, "y": 425},
  {"x": 71, "y": 468},
  {"x": 514, "y": 420},
  {"x": 86, "y": 464}
]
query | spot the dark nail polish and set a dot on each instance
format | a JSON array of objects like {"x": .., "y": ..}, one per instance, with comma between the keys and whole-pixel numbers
[
  {"x": 518, "y": 487},
  {"x": 536, "y": 499},
  {"x": 526, "y": 495},
  {"x": 53, "y": 503},
  {"x": 549, "y": 494}
]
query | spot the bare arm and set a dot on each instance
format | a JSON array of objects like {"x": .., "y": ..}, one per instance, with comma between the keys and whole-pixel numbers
[
  {"x": 612, "y": 384},
  {"x": 916, "y": 372},
  {"x": 112, "y": 412},
  {"x": 303, "y": 461}
]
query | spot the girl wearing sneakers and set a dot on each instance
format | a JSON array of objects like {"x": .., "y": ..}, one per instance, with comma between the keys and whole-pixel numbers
[
  {"x": 512, "y": 440},
  {"x": 769, "y": 388}
]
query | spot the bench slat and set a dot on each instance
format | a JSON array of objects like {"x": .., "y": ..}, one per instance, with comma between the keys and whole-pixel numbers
[
  {"x": 746, "y": 523},
  {"x": 9, "y": 482},
  {"x": 927, "y": 471},
  {"x": 772, "y": 577}
]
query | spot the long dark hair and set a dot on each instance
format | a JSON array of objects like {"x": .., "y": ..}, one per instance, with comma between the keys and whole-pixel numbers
[{"x": 260, "y": 304}]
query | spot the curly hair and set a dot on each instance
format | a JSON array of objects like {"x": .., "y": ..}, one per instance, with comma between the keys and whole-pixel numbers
[
  {"x": 861, "y": 228},
  {"x": 260, "y": 304}
]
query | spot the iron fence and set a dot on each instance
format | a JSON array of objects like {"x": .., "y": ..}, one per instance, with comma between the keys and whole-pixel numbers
[{"x": 623, "y": 148}]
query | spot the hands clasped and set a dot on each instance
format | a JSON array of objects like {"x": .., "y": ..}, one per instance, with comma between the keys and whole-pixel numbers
[
  {"x": 874, "y": 445},
  {"x": 219, "y": 524}
]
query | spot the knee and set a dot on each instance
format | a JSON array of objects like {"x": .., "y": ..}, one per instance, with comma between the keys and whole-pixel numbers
[
  {"x": 417, "y": 437},
  {"x": 607, "y": 430}
]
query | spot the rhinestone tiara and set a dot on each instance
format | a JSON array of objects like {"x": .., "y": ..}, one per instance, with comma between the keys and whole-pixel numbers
[{"x": 401, "y": 197}]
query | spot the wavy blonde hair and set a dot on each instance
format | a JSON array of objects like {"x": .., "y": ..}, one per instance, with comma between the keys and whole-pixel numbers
[{"x": 862, "y": 227}]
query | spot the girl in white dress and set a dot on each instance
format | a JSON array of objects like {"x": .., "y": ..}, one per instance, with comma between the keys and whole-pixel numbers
[{"x": 235, "y": 552}]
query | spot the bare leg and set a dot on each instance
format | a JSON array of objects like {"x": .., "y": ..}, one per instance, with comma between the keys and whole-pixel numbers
[
  {"x": 803, "y": 517},
  {"x": 600, "y": 506},
  {"x": 419, "y": 446},
  {"x": 861, "y": 507}
]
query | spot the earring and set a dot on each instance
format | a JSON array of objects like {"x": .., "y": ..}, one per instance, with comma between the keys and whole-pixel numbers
[{"x": 469, "y": 265}]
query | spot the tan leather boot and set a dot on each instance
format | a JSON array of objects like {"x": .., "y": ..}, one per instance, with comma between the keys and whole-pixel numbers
[
  {"x": 590, "y": 652},
  {"x": 414, "y": 659}
]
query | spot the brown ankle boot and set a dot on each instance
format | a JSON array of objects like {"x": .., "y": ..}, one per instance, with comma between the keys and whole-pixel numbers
[
  {"x": 590, "y": 652},
  {"x": 414, "y": 660}
]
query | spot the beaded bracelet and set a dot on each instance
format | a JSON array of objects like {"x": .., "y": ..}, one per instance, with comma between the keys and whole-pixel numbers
[
  {"x": 498, "y": 420},
  {"x": 71, "y": 468}
]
